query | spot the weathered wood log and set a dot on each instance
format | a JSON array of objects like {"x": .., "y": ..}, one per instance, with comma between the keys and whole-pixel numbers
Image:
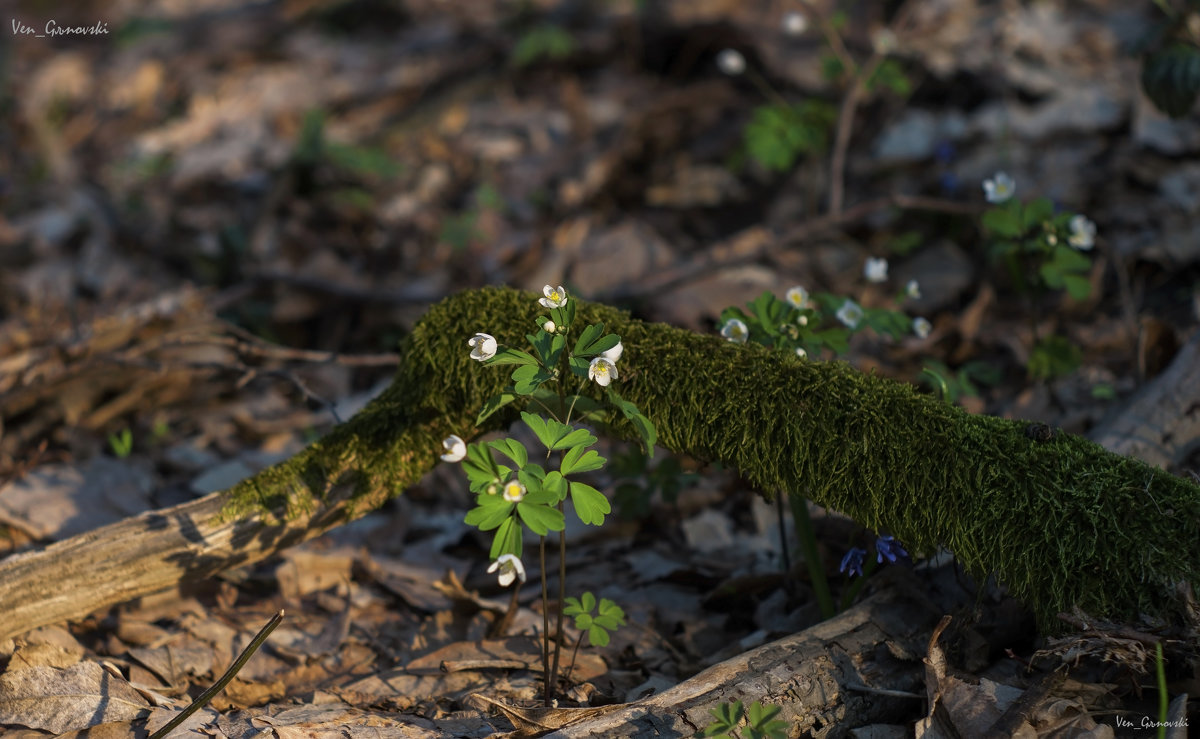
[
  {"x": 1160, "y": 424},
  {"x": 862, "y": 667},
  {"x": 1059, "y": 519}
]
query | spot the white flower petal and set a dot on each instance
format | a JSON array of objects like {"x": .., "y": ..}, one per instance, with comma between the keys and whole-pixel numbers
[
  {"x": 850, "y": 314},
  {"x": 731, "y": 62},
  {"x": 602, "y": 370},
  {"x": 875, "y": 270},
  {"x": 556, "y": 297},
  {"x": 1000, "y": 188},
  {"x": 455, "y": 448},
  {"x": 1083, "y": 233},
  {"x": 921, "y": 327},
  {"x": 735, "y": 330},
  {"x": 514, "y": 491},
  {"x": 483, "y": 347},
  {"x": 615, "y": 353},
  {"x": 797, "y": 296},
  {"x": 510, "y": 568},
  {"x": 913, "y": 290},
  {"x": 795, "y": 23}
]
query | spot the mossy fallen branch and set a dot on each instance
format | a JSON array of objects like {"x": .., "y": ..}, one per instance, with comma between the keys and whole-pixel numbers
[{"x": 1061, "y": 521}]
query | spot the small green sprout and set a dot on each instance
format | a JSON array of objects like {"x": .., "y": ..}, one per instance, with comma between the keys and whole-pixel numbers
[
  {"x": 121, "y": 443},
  {"x": 761, "y": 721},
  {"x": 609, "y": 617}
]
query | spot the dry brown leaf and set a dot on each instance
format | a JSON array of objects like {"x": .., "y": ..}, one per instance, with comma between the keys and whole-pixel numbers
[{"x": 80, "y": 696}]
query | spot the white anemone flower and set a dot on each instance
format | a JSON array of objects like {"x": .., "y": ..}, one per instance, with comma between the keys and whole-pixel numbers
[
  {"x": 614, "y": 354},
  {"x": 798, "y": 297},
  {"x": 999, "y": 189},
  {"x": 549, "y": 327},
  {"x": 602, "y": 370},
  {"x": 913, "y": 290},
  {"x": 921, "y": 327},
  {"x": 801, "y": 353},
  {"x": 483, "y": 347},
  {"x": 1083, "y": 233},
  {"x": 795, "y": 23},
  {"x": 556, "y": 297},
  {"x": 875, "y": 270},
  {"x": 735, "y": 330},
  {"x": 510, "y": 568},
  {"x": 514, "y": 491},
  {"x": 850, "y": 314},
  {"x": 731, "y": 62},
  {"x": 455, "y": 449}
]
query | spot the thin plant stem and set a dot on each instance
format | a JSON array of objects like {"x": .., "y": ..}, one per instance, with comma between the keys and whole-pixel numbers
[
  {"x": 562, "y": 594},
  {"x": 783, "y": 542},
  {"x": 574, "y": 654},
  {"x": 856, "y": 587},
  {"x": 203, "y": 699},
  {"x": 549, "y": 690},
  {"x": 812, "y": 558}
]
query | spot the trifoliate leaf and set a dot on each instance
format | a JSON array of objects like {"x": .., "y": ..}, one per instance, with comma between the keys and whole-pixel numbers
[{"x": 590, "y": 504}]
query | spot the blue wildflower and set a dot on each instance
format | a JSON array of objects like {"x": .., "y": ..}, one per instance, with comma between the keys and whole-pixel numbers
[
  {"x": 886, "y": 547},
  {"x": 852, "y": 563}
]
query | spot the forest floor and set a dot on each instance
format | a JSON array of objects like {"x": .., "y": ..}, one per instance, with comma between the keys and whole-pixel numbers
[{"x": 218, "y": 220}]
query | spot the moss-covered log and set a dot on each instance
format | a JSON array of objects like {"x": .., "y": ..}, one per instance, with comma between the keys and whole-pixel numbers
[{"x": 1060, "y": 520}]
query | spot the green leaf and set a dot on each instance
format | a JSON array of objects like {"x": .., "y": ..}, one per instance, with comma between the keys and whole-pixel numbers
[
  {"x": 1054, "y": 357},
  {"x": 837, "y": 339},
  {"x": 645, "y": 427},
  {"x": 592, "y": 341},
  {"x": 1171, "y": 78},
  {"x": 1036, "y": 213},
  {"x": 540, "y": 428},
  {"x": 557, "y": 344},
  {"x": 579, "y": 366},
  {"x": 611, "y": 616},
  {"x": 588, "y": 601},
  {"x": 589, "y": 335},
  {"x": 541, "y": 346},
  {"x": 507, "y": 540},
  {"x": 725, "y": 718},
  {"x": 495, "y": 403},
  {"x": 512, "y": 449},
  {"x": 572, "y": 607},
  {"x": 555, "y": 485},
  {"x": 581, "y": 459},
  {"x": 576, "y": 438},
  {"x": 1079, "y": 288},
  {"x": 590, "y": 504},
  {"x": 1002, "y": 222},
  {"x": 526, "y": 379},
  {"x": 1069, "y": 260},
  {"x": 568, "y": 315},
  {"x": 540, "y": 518},
  {"x": 489, "y": 516},
  {"x": 511, "y": 356},
  {"x": 597, "y": 635}
]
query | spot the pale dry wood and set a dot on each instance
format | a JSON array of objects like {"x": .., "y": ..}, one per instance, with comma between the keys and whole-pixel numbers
[
  {"x": 861, "y": 667},
  {"x": 1160, "y": 424},
  {"x": 141, "y": 555}
]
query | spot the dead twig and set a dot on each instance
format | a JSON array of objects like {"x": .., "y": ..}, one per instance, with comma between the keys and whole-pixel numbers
[{"x": 203, "y": 699}]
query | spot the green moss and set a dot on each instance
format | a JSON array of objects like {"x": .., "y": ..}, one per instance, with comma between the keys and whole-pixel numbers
[{"x": 1061, "y": 521}]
